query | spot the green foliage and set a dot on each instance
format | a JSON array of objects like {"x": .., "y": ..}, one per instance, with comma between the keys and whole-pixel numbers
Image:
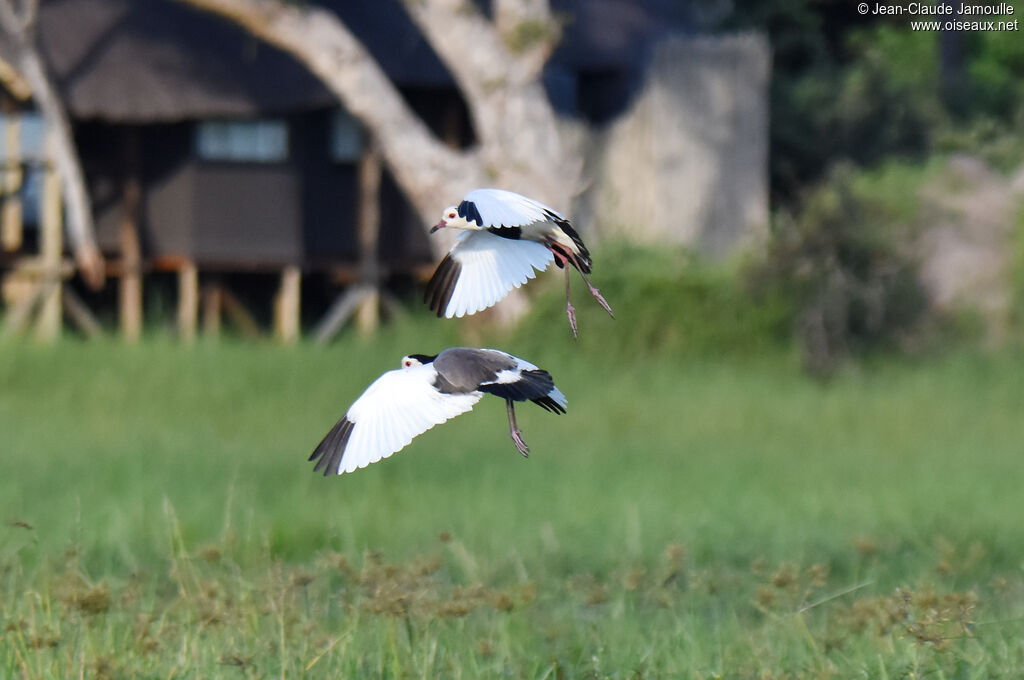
[
  {"x": 888, "y": 99},
  {"x": 666, "y": 302},
  {"x": 528, "y": 34},
  {"x": 866, "y": 89},
  {"x": 1017, "y": 271},
  {"x": 995, "y": 66},
  {"x": 1001, "y": 147},
  {"x": 686, "y": 518},
  {"x": 843, "y": 262}
]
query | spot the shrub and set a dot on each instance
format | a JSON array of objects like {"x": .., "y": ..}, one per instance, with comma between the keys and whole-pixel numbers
[
  {"x": 666, "y": 301},
  {"x": 843, "y": 262},
  {"x": 1017, "y": 272}
]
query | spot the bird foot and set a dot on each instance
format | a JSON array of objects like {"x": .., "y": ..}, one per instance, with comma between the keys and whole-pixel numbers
[
  {"x": 601, "y": 301},
  {"x": 517, "y": 438},
  {"x": 571, "y": 313}
]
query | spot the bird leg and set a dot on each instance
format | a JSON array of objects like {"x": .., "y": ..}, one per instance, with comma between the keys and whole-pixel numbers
[
  {"x": 569, "y": 309},
  {"x": 593, "y": 291},
  {"x": 517, "y": 436}
]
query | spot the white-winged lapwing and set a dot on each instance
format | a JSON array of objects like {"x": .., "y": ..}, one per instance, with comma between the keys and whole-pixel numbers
[
  {"x": 426, "y": 391},
  {"x": 506, "y": 237}
]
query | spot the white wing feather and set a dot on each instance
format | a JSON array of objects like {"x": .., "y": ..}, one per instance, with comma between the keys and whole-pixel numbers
[
  {"x": 491, "y": 266},
  {"x": 498, "y": 207},
  {"x": 397, "y": 407}
]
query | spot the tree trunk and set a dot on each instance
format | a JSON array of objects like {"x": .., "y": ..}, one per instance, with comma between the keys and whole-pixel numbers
[
  {"x": 20, "y": 27},
  {"x": 498, "y": 71},
  {"x": 520, "y": 147}
]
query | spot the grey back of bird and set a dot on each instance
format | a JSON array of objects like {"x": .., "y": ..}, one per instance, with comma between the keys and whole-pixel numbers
[{"x": 464, "y": 369}]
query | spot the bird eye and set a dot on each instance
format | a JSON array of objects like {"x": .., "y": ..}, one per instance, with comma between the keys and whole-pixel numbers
[
  {"x": 407, "y": 363},
  {"x": 451, "y": 216}
]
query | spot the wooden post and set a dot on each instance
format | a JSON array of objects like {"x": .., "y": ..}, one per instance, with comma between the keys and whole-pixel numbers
[
  {"x": 188, "y": 301},
  {"x": 51, "y": 246},
  {"x": 368, "y": 316},
  {"x": 212, "y": 306},
  {"x": 366, "y": 297},
  {"x": 78, "y": 313},
  {"x": 239, "y": 315},
  {"x": 11, "y": 218},
  {"x": 130, "y": 285},
  {"x": 287, "y": 305}
]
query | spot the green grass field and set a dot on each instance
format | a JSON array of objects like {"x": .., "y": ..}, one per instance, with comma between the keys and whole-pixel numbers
[{"x": 689, "y": 517}]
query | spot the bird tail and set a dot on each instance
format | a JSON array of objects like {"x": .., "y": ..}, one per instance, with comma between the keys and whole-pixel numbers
[
  {"x": 582, "y": 255},
  {"x": 534, "y": 384},
  {"x": 553, "y": 401}
]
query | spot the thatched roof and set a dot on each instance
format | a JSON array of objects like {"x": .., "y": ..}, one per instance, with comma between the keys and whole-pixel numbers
[
  {"x": 154, "y": 60},
  {"x": 143, "y": 61},
  {"x": 618, "y": 34},
  {"x": 159, "y": 60}
]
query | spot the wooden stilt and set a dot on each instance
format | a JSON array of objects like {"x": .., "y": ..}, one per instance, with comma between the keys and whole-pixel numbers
[
  {"x": 79, "y": 314},
  {"x": 363, "y": 299},
  {"x": 188, "y": 301},
  {"x": 212, "y": 306},
  {"x": 239, "y": 315},
  {"x": 51, "y": 245},
  {"x": 19, "y": 317},
  {"x": 287, "y": 305},
  {"x": 130, "y": 284},
  {"x": 347, "y": 304},
  {"x": 11, "y": 217},
  {"x": 344, "y": 306},
  {"x": 368, "y": 316}
]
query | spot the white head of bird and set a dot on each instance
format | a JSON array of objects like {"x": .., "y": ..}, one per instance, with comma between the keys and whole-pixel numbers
[
  {"x": 413, "y": 360},
  {"x": 451, "y": 219}
]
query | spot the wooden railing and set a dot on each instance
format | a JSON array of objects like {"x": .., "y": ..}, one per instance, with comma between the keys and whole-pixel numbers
[{"x": 33, "y": 284}]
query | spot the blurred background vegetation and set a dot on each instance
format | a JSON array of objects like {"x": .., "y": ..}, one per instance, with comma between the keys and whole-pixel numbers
[
  {"x": 865, "y": 116},
  {"x": 704, "y": 510},
  {"x": 867, "y": 90}
]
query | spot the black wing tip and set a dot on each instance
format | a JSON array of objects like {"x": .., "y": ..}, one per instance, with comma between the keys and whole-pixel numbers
[
  {"x": 331, "y": 449},
  {"x": 510, "y": 233},
  {"x": 441, "y": 286},
  {"x": 533, "y": 385},
  {"x": 549, "y": 404}
]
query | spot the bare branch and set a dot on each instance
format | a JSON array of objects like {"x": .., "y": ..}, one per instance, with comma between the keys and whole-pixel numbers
[
  {"x": 20, "y": 27},
  {"x": 420, "y": 162},
  {"x": 520, "y": 143},
  {"x": 528, "y": 31},
  {"x": 19, "y": 20},
  {"x": 9, "y": 20},
  {"x": 520, "y": 138}
]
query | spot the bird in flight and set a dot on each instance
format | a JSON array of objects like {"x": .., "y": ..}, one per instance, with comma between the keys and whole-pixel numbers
[
  {"x": 426, "y": 391},
  {"x": 506, "y": 237}
]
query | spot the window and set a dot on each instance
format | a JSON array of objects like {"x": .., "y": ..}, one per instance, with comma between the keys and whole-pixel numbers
[
  {"x": 254, "y": 141},
  {"x": 346, "y": 137},
  {"x": 27, "y": 161},
  {"x": 31, "y": 130}
]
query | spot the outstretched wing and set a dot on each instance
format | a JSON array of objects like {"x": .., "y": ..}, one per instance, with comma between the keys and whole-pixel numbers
[
  {"x": 496, "y": 208},
  {"x": 397, "y": 407},
  {"x": 480, "y": 270}
]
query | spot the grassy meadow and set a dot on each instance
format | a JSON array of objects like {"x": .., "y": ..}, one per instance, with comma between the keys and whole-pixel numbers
[{"x": 694, "y": 515}]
